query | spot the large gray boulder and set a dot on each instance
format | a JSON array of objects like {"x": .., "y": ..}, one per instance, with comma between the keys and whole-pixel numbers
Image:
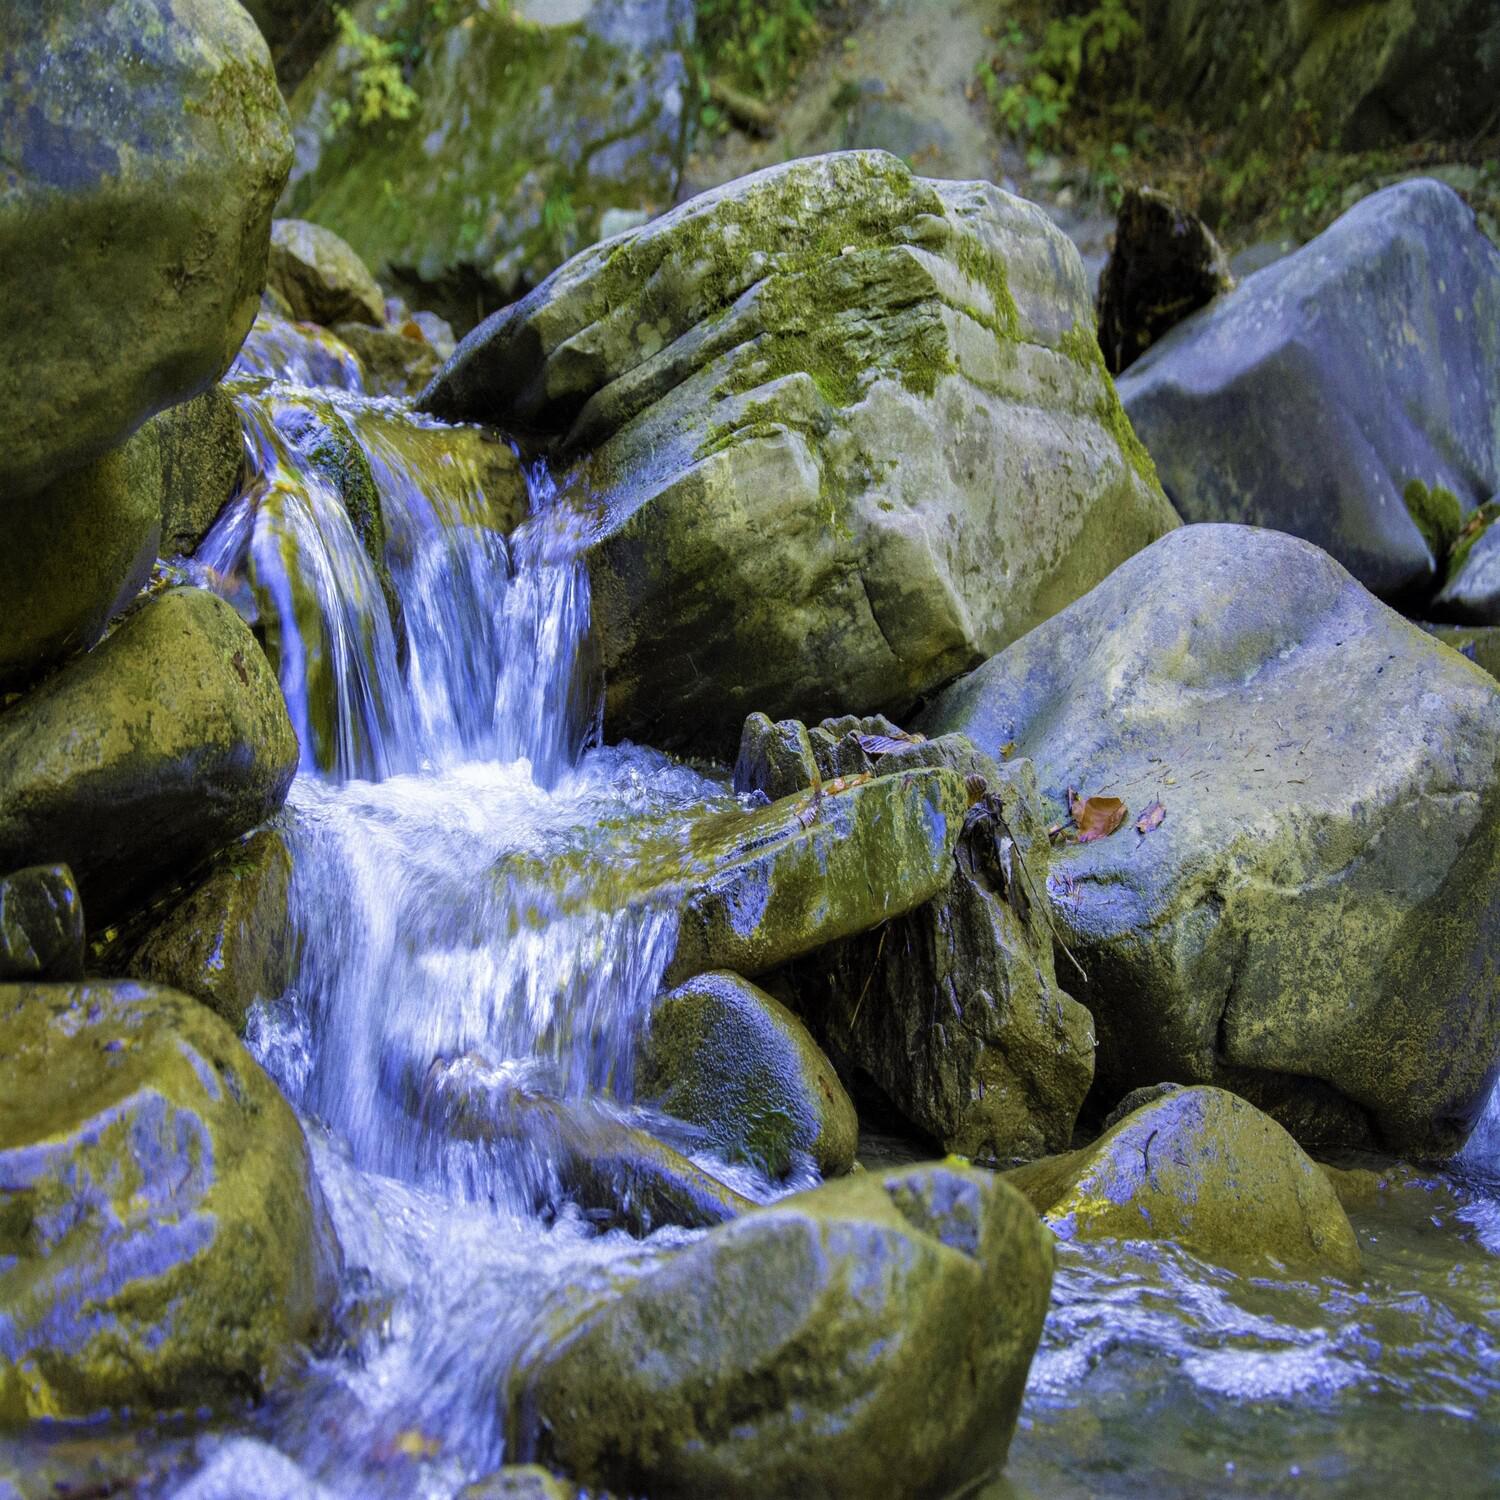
[
  {"x": 144, "y": 144},
  {"x": 1312, "y": 397},
  {"x": 850, "y": 431},
  {"x": 141, "y": 758},
  {"x": 868, "y": 1338},
  {"x": 529, "y": 124},
  {"x": 319, "y": 276},
  {"x": 1314, "y": 920},
  {"x": 161, "y": 1242}
]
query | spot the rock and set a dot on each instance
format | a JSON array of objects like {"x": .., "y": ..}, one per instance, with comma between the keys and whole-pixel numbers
[
  {"x": 850, "y": 430},
  {"x": 230, "y": 942},
  {"x": 723, "y": 1055},
  {"x": 161, "y": 1246},
  {"x": 1205, "y": 1170},
  {"x": 1164, "y": 264},
  {"x": 1471, "y": 594},
  {"x": 953, "y": 1011},
  {"x": 1310, "y": 398},
  {"x": 320, "y": 278},
  {"x": 145, "y": 145},
  {"x": 75, "y": 553},
  {"x": 299, "y": 353},
  {"x": 202, "y": 448},
  {"x": 524, "y": 131},
  {"x": 41, "y": 924},
  {"x": 1350, "y": 75},
  {"x": 396, "y": 361},
  {"x": 143, "y": 757},
  {"x": 1309, "y": 922},
  {"x": 758, "y": 889},
  {"x": 1480, "y": 645},
  {"x": 519, "y": 1482},
  {"x": 868, "y": 1338}
]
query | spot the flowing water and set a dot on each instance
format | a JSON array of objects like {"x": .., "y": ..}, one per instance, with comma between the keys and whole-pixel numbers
[{"x": 463, "y": 888}]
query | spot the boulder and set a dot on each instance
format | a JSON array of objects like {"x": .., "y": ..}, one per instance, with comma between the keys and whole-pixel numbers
[
  {"x": 320, "y": 278},
  {"x": 41, "y": 925},
  {"x": 161, "y": 1245},
  {"x": 202, "y": 449},
  {"x": 850, "y": 431},
  {"x": 1471, "y": 592},
  {"x": 953, "y": 1011},
  {"x": 143, "y": 757},
  {"x": 145, "y": 143},
  {"x": 524, "y": 130},
  {"x": 395, "y": 361},
  {"x": 1312, "y": 397},
  {"x": 726, "y": 1057},
  {"x": 1207, "y": 1171},
  {"x": 757, "y": 889},
  {"x": 1164, "y": 263},
  {"x": 869, "y": 1338},
  {"x": 1311, "y": 915},
  {"x": 519, "y": 1482},
  {"x": 1480, "y": 645},
  {"x": 75, "y": 553},
  {"x": 230, "y": 941}
]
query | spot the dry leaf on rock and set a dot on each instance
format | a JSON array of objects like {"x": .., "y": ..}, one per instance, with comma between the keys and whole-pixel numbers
[{"x": 1151, "y": 818}]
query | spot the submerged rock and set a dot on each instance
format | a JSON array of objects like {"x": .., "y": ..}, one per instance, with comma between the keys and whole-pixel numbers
[
  {"x": 74, "y": 554},
  {"x": 524, "y": 131},
  {"x": 1205, "y": 1170},
  {"x": 726, "y": 1057},
  {"x": 1313, "y": 920},
  {"x": 161, "y": 1245},
  {"x": 871, "y": 1337},
  {"x": 1164, "y": 264},
  {"x": 1310, "y": 398},
  {"x": 320, "y": 278},
  {"x": 850, "y": 430},
  {"x": 41, "y": 925},
  {"x": 146, "y": 755},
  {"x": 953, "y": 1011},
  {"x": 229, "y": 942},
  {"x": 145, "y": 144}
]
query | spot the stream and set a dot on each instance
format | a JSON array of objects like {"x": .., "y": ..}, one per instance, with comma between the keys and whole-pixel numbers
[{"x": 463, "y": 849}]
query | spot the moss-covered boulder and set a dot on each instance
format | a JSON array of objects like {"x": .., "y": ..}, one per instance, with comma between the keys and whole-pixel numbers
[
  {"x": 396, "y": 361},
  {"x": 756, "y": 889},
  {"x": 144, "y": 145},
  {"x": 526, "y": 126},
  {"x": 1302, "y": 902},
  {"x": 160, "y": 1242},
  {"x": 74, "y": 553},
  {"x": 138, "y": 760},
  {"x": 1206, "y": 1170},
  {"x": 869, "y": 1338},
  {"x": 41, "y": 924},
  {"x": 201, "y": 446},
  {"x": 728, "y": 1058},
  {"x": 954, "y": 1011},
  {"x": 230, "y": 941},
  {"x": 851, "y": 430},
  {"x": 320, "y": 278},
  {"x": 1312, "y": 397}
]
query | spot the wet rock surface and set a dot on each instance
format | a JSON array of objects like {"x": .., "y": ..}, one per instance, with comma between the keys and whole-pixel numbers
[
  {"x": 41, "y": 925},
  {"x": 869, "y": 1335},
  {"x": 1309, "y": 922},
  {"x": 885, "y": 442},
  {"x": 162, "y": 1245}
]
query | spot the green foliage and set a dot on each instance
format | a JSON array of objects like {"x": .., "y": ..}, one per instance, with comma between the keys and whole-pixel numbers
[
  {"x": 1075, "y": 56},
  {"x": 757, "y": 45}
]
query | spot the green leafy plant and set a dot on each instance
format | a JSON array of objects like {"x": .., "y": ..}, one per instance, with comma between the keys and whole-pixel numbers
[
  {"x": 756, "y": 45},
  {"x": 378, "y": 86}
]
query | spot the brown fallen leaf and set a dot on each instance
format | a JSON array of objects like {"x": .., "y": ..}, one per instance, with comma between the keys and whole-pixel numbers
[
  {"x": 1097, "y": 817},
  {"x": 1151, "y": 818}
]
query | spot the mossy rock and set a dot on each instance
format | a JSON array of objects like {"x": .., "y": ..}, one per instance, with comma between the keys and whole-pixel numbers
[
  {"x": 520, "y": 1482},
  {"x": 727, "y": 1057},
  {"x": 1314, "y": 921},
  {"x": 41, "y": 925},
  {"x": 396, "y": 362},
  {"x": 202, "y": 450},
  {"x": 1203, "y": 1169},
  {"x": 143, "y": 757},
  {"x": 850, "y": 431},
  {"x": 871, "y": 1337},
  {"x": 75, "y": 553},
  {"x": 230, "y": 941},
  {"x": 320, "y": 278},
  {"x": 161, "y": 1243},
  {"x": 145, "y": 143}
]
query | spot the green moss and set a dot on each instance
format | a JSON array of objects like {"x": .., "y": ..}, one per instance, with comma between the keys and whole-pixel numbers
[
  {"x": 1081, "y": 345},
  {"x": 1438, "y": 516}
]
